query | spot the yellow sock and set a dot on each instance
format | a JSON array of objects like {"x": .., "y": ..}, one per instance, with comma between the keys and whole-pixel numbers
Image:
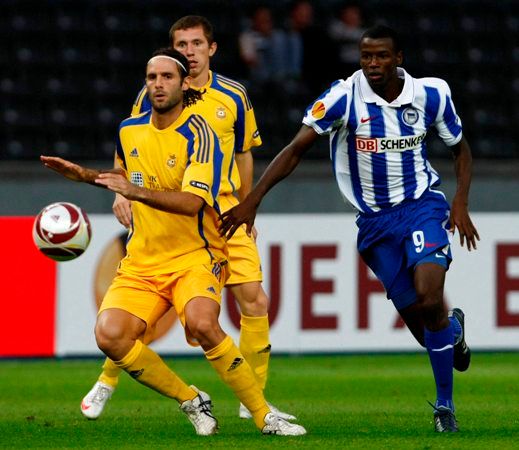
[
  {"x": 237, "y": 374},
  {"x": 255, "y": 345},
  {"x": 110, "y": 373},
  {"x": 149, "y": 369}
]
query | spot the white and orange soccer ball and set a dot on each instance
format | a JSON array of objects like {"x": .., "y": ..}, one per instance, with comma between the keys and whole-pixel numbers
[{"x": 62, "y": 231}]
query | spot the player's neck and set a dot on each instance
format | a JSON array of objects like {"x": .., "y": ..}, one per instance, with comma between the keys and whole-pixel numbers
[
  {"x": 391, "y": 90},
  {"x": 161, "y": 121},
  {"x": 201, "y": 79}
]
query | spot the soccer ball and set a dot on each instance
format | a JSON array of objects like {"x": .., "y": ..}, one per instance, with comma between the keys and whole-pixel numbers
[{"x": 62, "y": 231}]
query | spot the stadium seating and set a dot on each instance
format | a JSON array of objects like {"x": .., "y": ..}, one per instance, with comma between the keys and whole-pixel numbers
[{"x": 69, "y": 71}]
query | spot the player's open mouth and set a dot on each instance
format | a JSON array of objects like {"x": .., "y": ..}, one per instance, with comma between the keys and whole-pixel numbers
[{"x": 375, "y": 76}]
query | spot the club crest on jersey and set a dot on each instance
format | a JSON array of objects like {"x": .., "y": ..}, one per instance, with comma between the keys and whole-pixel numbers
[
  {"x": 172, "y": 161},
  {"x": 220, "y": 112},
  {"x": 318, "y": 110},
  {"x": 410, "y": 116}
]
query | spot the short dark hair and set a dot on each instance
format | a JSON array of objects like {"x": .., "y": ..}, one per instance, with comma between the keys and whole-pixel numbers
[
  {"x": 191, "y": 96},
  {"x": 383, "y": 32},
  {"x": 191, "y": 22},
  {"x": 172, "y": 53}
]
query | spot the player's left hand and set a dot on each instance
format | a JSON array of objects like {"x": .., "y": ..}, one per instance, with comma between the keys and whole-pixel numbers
[
  {"x": 117, "y": 183},
  {"x": 231, "y": 220},
  {"x": 460, "y": 219}
]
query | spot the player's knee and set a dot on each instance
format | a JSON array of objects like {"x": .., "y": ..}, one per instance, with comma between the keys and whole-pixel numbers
[
  {"x": 204, "y": 329},
  {"x": 433, "y": 309},
  {"x": 113, "y": 339},
  {"x": 107, "y": 337},
  {"x": 253, "y": 301},
  {"x": 427, "y": 291}
]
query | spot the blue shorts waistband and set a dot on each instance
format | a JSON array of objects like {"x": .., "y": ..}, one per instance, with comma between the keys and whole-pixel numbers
[{"x": 402, "y": 204}]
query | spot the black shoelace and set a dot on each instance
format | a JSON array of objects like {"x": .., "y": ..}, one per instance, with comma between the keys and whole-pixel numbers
[{"x": 205, "y": 407}]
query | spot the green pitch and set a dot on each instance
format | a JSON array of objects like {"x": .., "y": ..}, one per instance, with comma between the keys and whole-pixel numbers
[{"x": 370, "y": 402}]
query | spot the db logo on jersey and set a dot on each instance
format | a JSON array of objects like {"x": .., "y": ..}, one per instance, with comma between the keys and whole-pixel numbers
[{"x": 366, "y": 144}]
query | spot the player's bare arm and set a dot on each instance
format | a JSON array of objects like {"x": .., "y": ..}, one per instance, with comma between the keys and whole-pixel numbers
[
  {"x": 245, "y": 164},
  {"x": 73, "y": 171},
  {"x": 183, "y": 203},
  {"x": 122, "y": 207},
  {"x": 460, "y": 217},
  {"x": 280, "y": 167}
]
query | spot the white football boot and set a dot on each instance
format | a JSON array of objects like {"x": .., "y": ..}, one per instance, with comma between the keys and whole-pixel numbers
[
  {"x": 281, "y": 427},
  {"x": 199, "y": 412},
  {"x": 244, "y": 413},
  {"x": 95, "y": 401}
]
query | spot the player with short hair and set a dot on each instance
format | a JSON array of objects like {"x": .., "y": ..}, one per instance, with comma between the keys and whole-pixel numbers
[
  {"x": 228, "y": 109},
  {"x": 377, "y": 120},
  {"x": 172, "y": 167}
]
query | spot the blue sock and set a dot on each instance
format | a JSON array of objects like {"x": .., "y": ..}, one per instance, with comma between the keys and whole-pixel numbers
[
  {"x": 456, "y": 325},
  {"x": 439, "y": 345}
]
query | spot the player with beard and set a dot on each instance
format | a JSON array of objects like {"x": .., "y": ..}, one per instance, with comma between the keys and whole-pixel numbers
[
  {"x": 226, "y": 106},
  {"x": 175, "y": 255}
]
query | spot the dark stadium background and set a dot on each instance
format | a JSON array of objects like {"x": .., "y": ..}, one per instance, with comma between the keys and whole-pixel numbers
[{"x": 70, "y": 70}]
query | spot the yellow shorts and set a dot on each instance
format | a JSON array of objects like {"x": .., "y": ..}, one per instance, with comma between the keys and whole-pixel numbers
[
  {"x": 244, "y": 260},
  {"x": 149, "y": 298}
]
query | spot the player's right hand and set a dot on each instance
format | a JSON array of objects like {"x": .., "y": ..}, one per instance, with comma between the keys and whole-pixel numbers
[
  {"x": 122, "y": 209},
  {"x": 66, "y": 168}
]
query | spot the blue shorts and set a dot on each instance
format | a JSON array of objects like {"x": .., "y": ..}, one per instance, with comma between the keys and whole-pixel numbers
[{"x": 393, "y": 242}]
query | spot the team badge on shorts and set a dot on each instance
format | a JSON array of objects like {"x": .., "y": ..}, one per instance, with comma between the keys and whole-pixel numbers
[{"x": 410, "y": 116}]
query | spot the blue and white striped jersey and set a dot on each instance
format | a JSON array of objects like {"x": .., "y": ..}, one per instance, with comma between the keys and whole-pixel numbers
[{"x": 378, "y": 148}]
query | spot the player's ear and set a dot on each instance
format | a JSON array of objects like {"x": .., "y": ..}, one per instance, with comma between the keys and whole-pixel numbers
[
  {"x": 212, "y": 49},
  {"x": 399, "y": 58},
  {"x": 186, "y": 83}
]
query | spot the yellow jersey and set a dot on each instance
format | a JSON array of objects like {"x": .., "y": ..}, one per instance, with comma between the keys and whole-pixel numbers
[
  {"x": 184, "y": 157},
  {"x": 227, "y": 108}
]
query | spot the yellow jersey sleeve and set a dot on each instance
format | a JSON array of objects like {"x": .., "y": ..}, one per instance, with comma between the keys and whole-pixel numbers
[
  {"x": 251, "y": 136},
  {"x": 202, "y": 176},
  {"x": 141, "y": 103},
  {"x": 246, "y": 134}
]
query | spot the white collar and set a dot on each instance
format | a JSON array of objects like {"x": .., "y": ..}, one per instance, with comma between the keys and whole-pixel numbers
[{"x": 406, "y": 96}]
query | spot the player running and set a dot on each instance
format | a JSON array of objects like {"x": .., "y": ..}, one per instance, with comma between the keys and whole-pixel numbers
[{"x": 377, "y": 121}]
